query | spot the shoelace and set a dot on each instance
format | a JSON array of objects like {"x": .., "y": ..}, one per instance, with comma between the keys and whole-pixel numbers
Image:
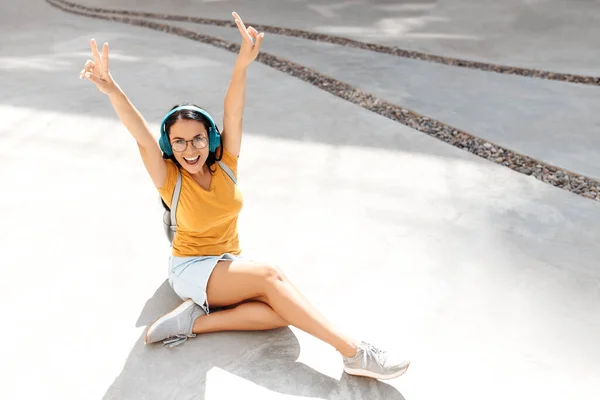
[
  {"x": 176, "y": 340},
  {"x": 377, "y": 354}
]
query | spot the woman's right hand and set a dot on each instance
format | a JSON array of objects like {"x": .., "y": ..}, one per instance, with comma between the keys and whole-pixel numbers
[{"x": 97, "y": 70}]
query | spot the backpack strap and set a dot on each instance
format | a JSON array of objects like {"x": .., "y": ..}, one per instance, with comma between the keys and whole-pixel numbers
[
  {"x": 175, "y": 200},
  {"x": 228, "y": 171}
]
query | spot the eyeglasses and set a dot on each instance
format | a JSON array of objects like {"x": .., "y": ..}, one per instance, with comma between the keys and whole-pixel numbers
[{"x": 180, "y": 145}]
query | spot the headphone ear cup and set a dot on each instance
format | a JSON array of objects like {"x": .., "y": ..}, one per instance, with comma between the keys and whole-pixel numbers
[
  {"x": 164, "y": 144},
  {"x": 214, "y": 138}
]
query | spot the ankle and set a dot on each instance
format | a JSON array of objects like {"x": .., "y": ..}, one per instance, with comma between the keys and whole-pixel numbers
[
  {"x": 198, "y": 325},
  {"x": 350, "y": 350}
]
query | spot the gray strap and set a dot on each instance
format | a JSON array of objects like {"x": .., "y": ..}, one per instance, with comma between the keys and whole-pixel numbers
[
  {"x": 175, "y": 200},
  {"x": 228, "y": 171}
]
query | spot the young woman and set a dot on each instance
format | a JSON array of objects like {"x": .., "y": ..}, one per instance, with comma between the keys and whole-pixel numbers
[{"x": 205, "y": 266}]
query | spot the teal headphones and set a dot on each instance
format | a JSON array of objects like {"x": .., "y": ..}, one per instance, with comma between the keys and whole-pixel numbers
[{"x": 214, "y": 137}]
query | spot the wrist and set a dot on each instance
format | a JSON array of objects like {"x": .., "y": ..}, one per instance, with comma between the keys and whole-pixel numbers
[
  {"x": 115, "y": 91},
  {"x": 240, "y": 65}
]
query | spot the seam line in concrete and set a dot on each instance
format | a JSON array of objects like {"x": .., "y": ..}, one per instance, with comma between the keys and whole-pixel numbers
[
  {"x": 553, "y": 175},
  {"x": 347, "y": 42}
]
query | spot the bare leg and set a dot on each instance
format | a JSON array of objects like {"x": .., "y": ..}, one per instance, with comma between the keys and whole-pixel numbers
[
  {"x": 237, "y": 281},
  {"x": 250, "y": 316}
]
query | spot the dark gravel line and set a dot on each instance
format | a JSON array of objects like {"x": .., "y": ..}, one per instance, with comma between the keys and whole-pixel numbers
[
  {"x": 558, "y": 177},
  {"x": 395, "y": 51}
]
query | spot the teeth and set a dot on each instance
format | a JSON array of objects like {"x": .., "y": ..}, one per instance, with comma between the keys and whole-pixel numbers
[{"x": 191, "y": 159}]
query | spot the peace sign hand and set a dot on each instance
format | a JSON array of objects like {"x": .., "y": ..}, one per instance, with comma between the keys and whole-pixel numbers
[
  {"x": 251, "y": 41},
  {"x": 97, "y": 70}
]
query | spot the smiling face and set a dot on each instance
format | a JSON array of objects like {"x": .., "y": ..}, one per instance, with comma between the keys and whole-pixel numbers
[{"x": 189, "y": 140}]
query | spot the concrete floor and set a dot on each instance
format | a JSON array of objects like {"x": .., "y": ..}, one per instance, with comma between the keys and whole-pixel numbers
[
  {"x": 556, "y": 35},
  {"x": 555, "y": 122},
  {"x": 487, "y": 279}
]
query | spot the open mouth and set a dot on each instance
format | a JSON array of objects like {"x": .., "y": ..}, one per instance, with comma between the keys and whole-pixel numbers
[{"x": 192, "y": 161}]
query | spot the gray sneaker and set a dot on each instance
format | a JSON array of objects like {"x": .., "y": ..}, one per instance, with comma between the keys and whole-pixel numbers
[
  {"x": 175, "y": 327},
  {"x": 372, "y": 362}
]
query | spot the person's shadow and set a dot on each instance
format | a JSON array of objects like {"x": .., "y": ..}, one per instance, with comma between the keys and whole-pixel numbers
[{"x": 266, "y": 358}]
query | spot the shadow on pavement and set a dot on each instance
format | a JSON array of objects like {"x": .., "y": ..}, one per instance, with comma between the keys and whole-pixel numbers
[{"x": 266, "y": 358}]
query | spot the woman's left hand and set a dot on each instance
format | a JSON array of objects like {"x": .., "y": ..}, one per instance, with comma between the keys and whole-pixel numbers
[{"x": 251, "y": 41}]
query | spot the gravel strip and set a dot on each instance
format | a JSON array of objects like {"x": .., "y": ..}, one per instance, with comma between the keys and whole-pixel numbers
[
  {"x": 555, "y": 176},
  {"x": 319, "y": 37}
]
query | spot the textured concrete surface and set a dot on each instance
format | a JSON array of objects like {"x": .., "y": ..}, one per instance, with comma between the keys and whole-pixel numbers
[
  {"x": 557, "y": 35},
  {"x": 486, "y": 278},
  {"x": 555, "y": 122}
]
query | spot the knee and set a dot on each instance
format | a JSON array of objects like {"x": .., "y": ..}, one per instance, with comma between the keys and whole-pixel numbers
[{"x": 271, "y": 275}]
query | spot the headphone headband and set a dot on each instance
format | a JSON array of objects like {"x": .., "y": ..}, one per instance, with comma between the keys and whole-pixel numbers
[
  {"x": 214, "y": 138},
  {"x": 192, "y": 108}
]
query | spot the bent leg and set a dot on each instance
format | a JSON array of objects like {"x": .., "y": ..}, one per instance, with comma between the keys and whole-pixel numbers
[
  {"x": 232, "y": 282},
  {"x": 250, "y": 316}
]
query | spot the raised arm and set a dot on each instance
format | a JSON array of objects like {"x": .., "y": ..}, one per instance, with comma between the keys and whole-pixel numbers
[
  {"x": 236, "y": 92},
  {"x": 98, "y": 72}
]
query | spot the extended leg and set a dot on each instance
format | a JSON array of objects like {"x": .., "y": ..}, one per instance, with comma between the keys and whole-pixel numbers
[{"x": 235, "y": 281}]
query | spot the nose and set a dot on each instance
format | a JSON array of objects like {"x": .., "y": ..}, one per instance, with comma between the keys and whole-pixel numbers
[{"x": 190, "y": 150}]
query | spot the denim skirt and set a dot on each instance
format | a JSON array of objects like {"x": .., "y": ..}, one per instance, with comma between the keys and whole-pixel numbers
[{"x": 188, "y": 276}]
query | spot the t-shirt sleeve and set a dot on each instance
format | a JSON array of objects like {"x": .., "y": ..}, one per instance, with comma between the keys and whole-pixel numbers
[
  {"x": 166, "y": 191},
  {"x": 230, "y": 160}
]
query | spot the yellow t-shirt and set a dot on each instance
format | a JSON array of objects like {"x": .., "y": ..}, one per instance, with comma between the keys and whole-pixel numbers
[{"x": 206, "y": 219}]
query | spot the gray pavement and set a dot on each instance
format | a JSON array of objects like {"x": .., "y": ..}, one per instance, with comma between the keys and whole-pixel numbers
[
  {"x": 555, "y": 122},
  {"x": 556, "y": 35},
  {"x": 486, "y": 278}
]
